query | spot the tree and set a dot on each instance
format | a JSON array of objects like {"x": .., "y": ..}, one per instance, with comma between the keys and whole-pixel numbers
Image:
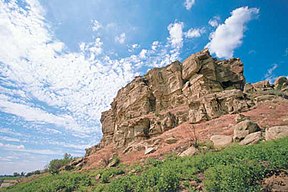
[
  {"x": 15, "y": 174},
  {"x": 55, "y": 165}
]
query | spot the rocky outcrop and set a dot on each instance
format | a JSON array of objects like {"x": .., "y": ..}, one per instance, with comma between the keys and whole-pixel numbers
[
  {"x": 281, "y": 83},
  {"x": 199, "y": 89}
]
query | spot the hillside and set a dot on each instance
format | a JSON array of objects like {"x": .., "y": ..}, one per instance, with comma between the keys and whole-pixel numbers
[
  {"x": 170, "y": 108},
  {"x": 260, "y": 167},
  {"x": 191, "y": 126}
]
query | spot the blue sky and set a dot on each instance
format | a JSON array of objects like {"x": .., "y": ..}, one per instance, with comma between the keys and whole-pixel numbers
[{"x": 62, "y": 61}]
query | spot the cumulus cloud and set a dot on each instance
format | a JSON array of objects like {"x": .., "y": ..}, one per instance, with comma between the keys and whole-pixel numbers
[
  {"x": 228, "y": 36},
  {"x": 189, "y": 4},
  {"x": 121, "y": 38},
  {"x": 176, "y": 34},
  {"x": 214, "y": 22},
  {"x": 194, "y": 32}
]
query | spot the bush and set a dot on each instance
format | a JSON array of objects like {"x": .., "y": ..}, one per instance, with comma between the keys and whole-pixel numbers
[
  {"x": 107, "y": 173},
  {"x": 55, "y": 165}
]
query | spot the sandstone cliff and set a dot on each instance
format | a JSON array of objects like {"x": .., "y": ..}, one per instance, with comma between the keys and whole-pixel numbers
[
  {"x": 201, "y": 88},
  {"x": 201, "y": 99}
]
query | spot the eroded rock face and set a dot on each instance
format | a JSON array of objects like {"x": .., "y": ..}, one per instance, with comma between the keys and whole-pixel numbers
[{"x": 201, "y": 88}]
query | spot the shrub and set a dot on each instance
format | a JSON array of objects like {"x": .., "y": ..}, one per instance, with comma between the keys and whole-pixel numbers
[
  {"x": 55, "y": 165},
  {"x": 110, "y": 172}
]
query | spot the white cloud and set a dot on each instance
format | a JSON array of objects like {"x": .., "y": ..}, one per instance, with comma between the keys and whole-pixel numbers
[
  {"x": 188, "y": 4},
  {"x": 92, "y": 49},
  {"x": 21, "y": 148},
  {"x": 40, "y": 68},
  {"x": 43, "y": 82},
  {"x": 155, "y": 45},
  {"x": 269, "y": 74},
  {"x": 228, "y": 36},
  {"x": 214, "y": 22},
  {"x": 194, "y": 32},
  {"x": 96, "y": 25},
  {"x": 134, "y": 46},
  {"x": 176, "y": 34},
  {"x": 9, "y": 139},
  {"x": 36, "y": 114},
  {"x": 143, "y": 53},
  {"x": 121, "y": 38},
  {"x": 10, "y": 132},
  {"x": 75, "y": 86}
]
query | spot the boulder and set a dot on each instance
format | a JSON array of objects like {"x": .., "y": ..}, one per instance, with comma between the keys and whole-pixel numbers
[
  {"x": 240, "y": 117},
  {"x": 276, "y": 132},
  {"x": 149, "y": 150},
  {"x": 248, "y": 88},
  {"x": 221, "y": 140},
  {"x": 113, "y": 162},
  {"x": 252, "y": 138},
  {"x": 244, "y": 128},
  {"x": 262, "y": 85},
  {"x": 171, "y": 140},
  {"x": 281, "y": 83},
  {"x": 188, "y": 152}
]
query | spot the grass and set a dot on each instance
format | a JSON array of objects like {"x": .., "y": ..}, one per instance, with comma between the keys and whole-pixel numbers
[
  {"x": 237, "y": 168},
  {"x": 10, "y": 178}
]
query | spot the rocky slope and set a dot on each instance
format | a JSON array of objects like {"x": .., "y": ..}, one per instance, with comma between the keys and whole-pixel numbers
[{"x": 157, "y": 110}]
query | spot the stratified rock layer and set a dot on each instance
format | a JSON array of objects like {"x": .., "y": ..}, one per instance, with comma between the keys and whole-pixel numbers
[{"x": 200, "y": 89}]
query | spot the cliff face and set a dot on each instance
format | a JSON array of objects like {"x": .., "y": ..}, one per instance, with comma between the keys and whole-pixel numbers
[{"x": 201, "y": 88}]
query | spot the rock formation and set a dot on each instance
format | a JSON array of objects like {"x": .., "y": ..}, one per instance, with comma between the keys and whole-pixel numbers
[{"x": 199, "y": 89}]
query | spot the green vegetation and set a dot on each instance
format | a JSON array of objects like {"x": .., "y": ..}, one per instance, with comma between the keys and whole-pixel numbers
[
  {"x": 237, "y": 168},
  {"x": 55, "y": 165},
  {"x": 50, "y": 183}
]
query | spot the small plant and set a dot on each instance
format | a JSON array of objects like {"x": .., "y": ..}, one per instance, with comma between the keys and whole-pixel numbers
[{"x": 194, "y": 138}]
